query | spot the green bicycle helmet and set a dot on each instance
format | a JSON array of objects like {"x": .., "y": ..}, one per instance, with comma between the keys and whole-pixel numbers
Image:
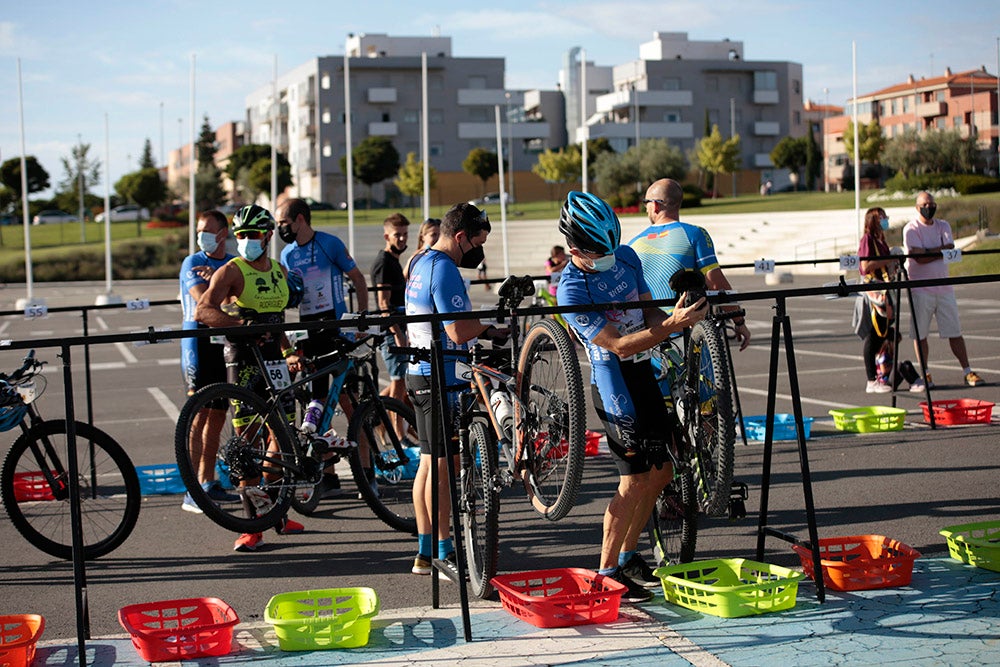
[{"x": 253, "y": 218}]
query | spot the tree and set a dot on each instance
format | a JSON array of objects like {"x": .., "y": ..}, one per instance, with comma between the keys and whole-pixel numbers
[
  {"x": 871, "y": 141},
  {"x": 562, "y": 166},
  {"x": 208, "y": 192},
  {"x": 410, "y": 178},
  {"x": 258, "y": 177},
  {"x": 10, "y": 175},
  {"x": 616, "y": 176},
  {"x": 80, "y": 171},
  {"x": 143, "y": 187},
  {"x": 658, "y": 159},
  {"x": 244, "y": 160},
  {"x": 147, "y": 161},
  {"x": 814, "y": 160},
  {"x": 482, "y": 164},
  {"x": 790, "y": 154},
  {"x": 206, "y": 145},
  {"x": 375, "y": 159},
  {"x": 717, "y": 155},
  {"x": 902, "y": 153}
]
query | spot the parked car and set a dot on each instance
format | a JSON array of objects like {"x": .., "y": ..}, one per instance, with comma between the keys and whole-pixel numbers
[
  {"x": 9, "y": 219},
  {"x": 318, "y": 205},
  {"x": 491, "y": 198},
  {"x": 53, "y": 216},
  {"x": 125, "y": 213}
]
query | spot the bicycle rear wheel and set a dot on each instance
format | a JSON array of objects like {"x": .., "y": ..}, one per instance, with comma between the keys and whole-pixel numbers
[
  {"x": 673, "y": 527},
  {"x": 479, "y": 508},
  {"x": 109, "y": 489},
  {"x": 552, "y": 420},
  {"x": 711, "y": 429},
  {"x": 382, "y": 480},
  {"x": 253, "y": 447}
]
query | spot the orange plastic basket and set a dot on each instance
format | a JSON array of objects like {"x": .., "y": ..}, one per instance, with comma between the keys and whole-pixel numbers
[
  {"x": 959, "y": 411},
  {"x": 19, "y": 633},
  {"x": 29, "y": 486},
  {"x": 561, "y": 597},
  {"x": 861, "y": 562},
  {"x": 173, "y": 630}
]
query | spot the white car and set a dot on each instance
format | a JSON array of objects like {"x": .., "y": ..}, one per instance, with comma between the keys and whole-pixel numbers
[
  {"x": 125, "y": 213},
  {"x": 53, "y": 216},
  {"x": 491, "y": 198}
]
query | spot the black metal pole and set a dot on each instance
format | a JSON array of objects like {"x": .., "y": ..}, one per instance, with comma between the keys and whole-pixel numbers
[
  {"x": 920, "y": 353},
  {"x": 437, "y": 432},
  {"x": 735, "y": 390},
  {"x": 86, "y": 368},
  {"x": 772, "y": 387}
]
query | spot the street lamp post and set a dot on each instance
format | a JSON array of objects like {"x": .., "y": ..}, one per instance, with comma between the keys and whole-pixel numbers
[
  {"x": 510, "y": 154},
  {"x": 826, "y": 110},
  {"x": 79, "y": 169},
  {"x": 635, "y": 101}
]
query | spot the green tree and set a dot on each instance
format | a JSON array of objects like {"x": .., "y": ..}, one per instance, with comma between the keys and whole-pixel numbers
[
  {"x": 10, "y": 175},
  {"x": 410, "y": 177},
  {"x": 562, "y": 166},
  {"x": 717, "y": 155},
  {"x": 658, "y": 159},
  {"x": 814, "y": 160},
  {"x": 790, "y": 154},
  {"x": 616, "y": 176},
  {"x": 79, "y": 167},
  {"x": 258, "y": 177},
  {"x": 244, "y": 159},
  {"x": 143, "y": 187},
  {"x": 206, "y": 145},
  {"x": 482, "y": 164},
  {"x": 374, "y": 160},
  {"x": 208, "y": 191},
  {"x": 871, "y": 142},
  {"x": 902, "y": 153},
  {"x": 147, "y": 161}
]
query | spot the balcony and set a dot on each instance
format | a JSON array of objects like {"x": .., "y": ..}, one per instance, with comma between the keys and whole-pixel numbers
[
  {"x": 765, "y": 97},
  {"x": 520, "y": 131},
  {"x": 623, "y": 99},
  {"x": 646, "y": 131},
  {"x": 479, "y": 97},
  {"x": 381, "y": 95},
  {"x": 932, "y": 109},
  {"x": 382, "y": 129},
  {"x": 766, "y": 129}
]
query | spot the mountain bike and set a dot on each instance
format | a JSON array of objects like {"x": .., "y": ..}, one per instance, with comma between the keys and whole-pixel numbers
[
  {"x": 34, "y": 479},
  {"x": 531, "y": 413},
  {"x": 269, "y": 461}
]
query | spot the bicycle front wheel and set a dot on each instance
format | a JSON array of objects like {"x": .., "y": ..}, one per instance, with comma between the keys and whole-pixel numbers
[
  {"x": 479, "y": 500},
  {"x": 673, "y": 527},
  {"x": 39, "y": 509},
  {"x": 711, "y": 418},
  {"x": 383, "y": 481},
  {"x": 551, "y": 420},
  {"x": 252, "y": 450}
]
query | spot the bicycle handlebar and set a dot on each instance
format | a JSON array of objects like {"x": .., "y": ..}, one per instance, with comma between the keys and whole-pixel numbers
[{"x": 30, "y": 363}]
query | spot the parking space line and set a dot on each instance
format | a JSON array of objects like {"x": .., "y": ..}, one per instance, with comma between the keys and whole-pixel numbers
[
  {"x": 127, "y": 353},
  {"x": 168, "y": 406},
  {"x": 788, "y": 397}
]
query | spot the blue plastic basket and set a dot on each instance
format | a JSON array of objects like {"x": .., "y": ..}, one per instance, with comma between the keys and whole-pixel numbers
[
  {"x": 160, "y": 479},
  {"x": 784, "y": 426}
]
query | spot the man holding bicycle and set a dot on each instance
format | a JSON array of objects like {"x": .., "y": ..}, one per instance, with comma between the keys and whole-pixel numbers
[
  {"x": 435, "y": 285},
  {"x": 669, "y": 245},
  {"x": 623, "y": 384}
]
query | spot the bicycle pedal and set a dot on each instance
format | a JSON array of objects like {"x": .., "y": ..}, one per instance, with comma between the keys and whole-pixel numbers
[{"x": 258, "y": 498}]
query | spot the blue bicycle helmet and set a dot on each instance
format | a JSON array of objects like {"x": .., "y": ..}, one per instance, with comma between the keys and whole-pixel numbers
[{"x": 589, "y": 224}]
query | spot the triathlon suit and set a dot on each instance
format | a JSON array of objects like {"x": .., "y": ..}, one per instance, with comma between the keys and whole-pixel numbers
[
  {"x": 435, "y": 286},
  {"x": 668, "y": 248},
  {"x": 322, "y": 263},
  {"x": 201, "y": 360},
  {"x": 626, "y": 395},
  {"x": 263, "y": 300}
]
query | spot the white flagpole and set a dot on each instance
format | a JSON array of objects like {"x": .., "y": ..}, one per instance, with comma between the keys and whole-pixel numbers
[
  {"x": 108, "y": 296},
  {"x": 857, "y": 147},
  {"x": 583, "y": 117},
  {"x": 192, "y": 166},
  {"x": 28, "y": 273},
  {"x": 350, "y": 157},
  {"x": 275, "y": 113},
  {"x": 425, "y": 149},
  {"x": 503, "y": 194}
]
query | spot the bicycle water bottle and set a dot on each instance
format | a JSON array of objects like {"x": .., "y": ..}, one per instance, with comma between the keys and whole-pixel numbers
[{"x": 503, "y": 411}]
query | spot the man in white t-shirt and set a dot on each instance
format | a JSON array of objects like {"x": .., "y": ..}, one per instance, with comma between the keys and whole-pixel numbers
[{"x": 930, "y": 235}]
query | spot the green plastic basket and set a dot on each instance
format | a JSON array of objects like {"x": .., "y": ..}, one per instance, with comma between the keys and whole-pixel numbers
[
  {"x": 322, "y": 619},
  {"x": 975, "y": 543},
  {"x": 869, "y": 420},
  {"x": 730, "y": 587}
]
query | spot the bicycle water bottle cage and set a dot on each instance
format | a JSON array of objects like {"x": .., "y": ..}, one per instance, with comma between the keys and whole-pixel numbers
[{"x": 690, "y": 281}]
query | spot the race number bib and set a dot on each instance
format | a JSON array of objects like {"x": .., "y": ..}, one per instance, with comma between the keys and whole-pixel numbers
[{"x": 277, "y": 372}]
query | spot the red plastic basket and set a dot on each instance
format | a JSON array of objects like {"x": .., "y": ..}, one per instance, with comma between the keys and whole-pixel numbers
[
  {"x": 959, "y": 411},
  {"x": 861, "y": 562},
  {"x": 561, "y": 597},
  {"x": 180, "y": 629},
  {"x": 592, "y": 441},
  {"x": 19, "y": 633},
  {"x": 29, "y": 486}
]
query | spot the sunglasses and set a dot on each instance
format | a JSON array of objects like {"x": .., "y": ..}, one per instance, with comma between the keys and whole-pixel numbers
[
  {"x": 654, "y": 201},
  {"x": 249, "y": 235}
]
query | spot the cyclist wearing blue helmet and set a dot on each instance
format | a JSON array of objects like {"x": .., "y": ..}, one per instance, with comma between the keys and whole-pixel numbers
[{"x": 623, "y": 384}]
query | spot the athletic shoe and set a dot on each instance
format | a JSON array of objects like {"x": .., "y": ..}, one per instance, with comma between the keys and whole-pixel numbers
[
  {"x": 288, "y": 527},
  {"x": 448, "y": 568},
  {"x": 421, "y": 565},
  {"x": 930, "y": 382},
  {"x": 917, "y": 385},
  {"x": 639, "y": 572},
  {"x": 189, "y": 505},
  {"x": 633, "y": 591},
  {"x": 329, "y": 486},
  {"x": 973, "y": 380},
  {"x": 248, "y": 542},
  {"x": 877, "y": 387},
  {"x": 217, "y": 493}
]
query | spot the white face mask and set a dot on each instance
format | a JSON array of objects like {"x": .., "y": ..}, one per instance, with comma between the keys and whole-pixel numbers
[
  {"x": 207, "y": 241},
  {"x": 601, "y": 264},
  {"x": 250, "y": 249}
]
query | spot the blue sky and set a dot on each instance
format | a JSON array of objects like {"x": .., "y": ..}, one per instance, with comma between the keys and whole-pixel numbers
[{"x": 81, "y": 60}]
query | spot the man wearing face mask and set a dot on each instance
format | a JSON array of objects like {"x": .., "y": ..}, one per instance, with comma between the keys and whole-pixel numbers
[
  {"x": 623, "y": 384},
  {"x": 435, "y": 285},
  {"x": 259, "y": 289},
  {"x": 201, "y": 360},
  {"x": 928, "y": 235}
]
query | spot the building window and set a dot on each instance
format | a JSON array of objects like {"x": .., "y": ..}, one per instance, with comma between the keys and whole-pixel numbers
[
  {"x": 765, "y": 80},
  {"x": 478, "y": 115},
  {"x": 713, "y": 117},
  {"x": 324, "y": 81},
  {"x": 435, "y": 83},
  {"x": 327, "y": 149},
  {"x": 435, "y": 117},
  {"x": 712, "y": 84},
  {"x": 893, "y": 107},
  {"x": 940, "y": 96},
  {"x": 477, "y": 82},
  {"x": 796, "y": 86},
  {"x": 939, "y": 123},
  {"x": 796, "y": 117},
  {"x": 326, "y": 117},
  {"x": 906, "y": 104},
  {"x": 956, "y": 121},
  {"x": 436, "y": 150},
  {"x": 411, "y": 116},
  {"x": 672, "y": 83},
  {"x": 672, "y": 116}
]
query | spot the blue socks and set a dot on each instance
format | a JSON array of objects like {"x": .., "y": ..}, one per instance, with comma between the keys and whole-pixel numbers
[
  {"x": 607, "y": 571},
  {"x": 445, "y": 547},
  {"x": 424, "y": 543},
  {"x": 625, "y": 557}
]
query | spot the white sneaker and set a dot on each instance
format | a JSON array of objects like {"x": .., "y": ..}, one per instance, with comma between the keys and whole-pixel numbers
[
  {"x": 917, "y": 386},
  {"x": 876, "y": 387}
]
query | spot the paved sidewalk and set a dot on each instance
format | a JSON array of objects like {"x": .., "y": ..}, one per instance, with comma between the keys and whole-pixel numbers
[{"x": 950, "y": 615}]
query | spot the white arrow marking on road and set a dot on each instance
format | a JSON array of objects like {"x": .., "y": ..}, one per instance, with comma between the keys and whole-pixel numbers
[{"x": 168, "y": 406}]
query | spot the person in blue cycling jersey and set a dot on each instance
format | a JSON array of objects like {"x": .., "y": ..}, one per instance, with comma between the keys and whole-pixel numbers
[
  {"x": 435, "y": 285},
  {"x": 626, "y": 396},
  {"x": 669, "y": 245},
  {"x": 201, "y": 359}
]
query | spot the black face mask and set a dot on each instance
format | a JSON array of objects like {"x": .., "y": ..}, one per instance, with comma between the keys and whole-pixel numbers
[
  {"x": 398, "y": 249},
  {"x": 472, "y": 258},
  {"x": 928, "y": 211},
  {"x": 286, "y": 234}
]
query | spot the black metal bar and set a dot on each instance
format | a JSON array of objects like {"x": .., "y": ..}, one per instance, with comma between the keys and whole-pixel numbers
[
  {"x": 86, "y": 368},
  {"x": 735, "y": 389},
  {"x": 772, "y": 387},
  {"x": 919, "y": 350}
]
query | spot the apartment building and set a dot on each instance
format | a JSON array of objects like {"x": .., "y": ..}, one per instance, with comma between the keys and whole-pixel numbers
[
  {"x": 308, "y": 123},
  {"x": 228, "y": 137}
]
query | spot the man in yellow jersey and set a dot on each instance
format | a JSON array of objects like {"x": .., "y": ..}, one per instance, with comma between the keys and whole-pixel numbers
[{"x": 259, "y": 288}]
